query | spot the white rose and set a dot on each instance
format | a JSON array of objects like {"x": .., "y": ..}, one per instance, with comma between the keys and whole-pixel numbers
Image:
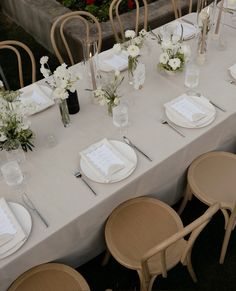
[
  {"x": 44, "y": 60},
  {"x": 130, "y": 34},
  {"x": 2, "y": 137},
  {"x": 117, "y": 48},
  {"x": 133, "y": 50},
  {"x": 164, "y": 58},
  {"x": 174, "y": 63},
  {"x": 60, "y": 93}
]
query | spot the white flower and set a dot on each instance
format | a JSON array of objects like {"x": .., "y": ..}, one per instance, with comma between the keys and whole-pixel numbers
[
  {"x": 60, "y": 93},
  {"x": 138, "y": 41},
  {"x": 164, "y": 58},
  {"x": 174, "y": 63},
  {"x": 72, "y": 89},
  {"x": 26, "y": 124},
  {"x": 44, "y": 60},
  {"x": 45, "y": 72},
  {"x": 204, "y": 14},
  {"x": 1, "y": 84},
  {"x": 2, "y": 137},
  {"x": 143, "y": 33},
  {"x": 130, "y": 34},
  {"x": 116, "y": 101},
  {"x": 117, "y": 48},
  {"x": 167, "y": 44},
  {"x": 133, "y": 51}
]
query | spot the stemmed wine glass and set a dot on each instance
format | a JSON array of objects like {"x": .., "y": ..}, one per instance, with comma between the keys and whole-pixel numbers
[{"x": 192, "y": 79}]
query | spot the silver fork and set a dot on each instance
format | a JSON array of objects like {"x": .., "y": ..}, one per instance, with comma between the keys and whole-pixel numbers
[
  {"x": 79, "y": 175},
  {"x": 165, "y": 121}
]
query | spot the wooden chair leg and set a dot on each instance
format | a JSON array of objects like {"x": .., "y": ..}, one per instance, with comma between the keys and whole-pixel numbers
[
  {"x": 226, "y": 216},
  {"x": 227, "y": 235},
  {"x": 187, "y": 197},
  {"x": 190, "y": 269},
  {"x": 106, "y": 258}
]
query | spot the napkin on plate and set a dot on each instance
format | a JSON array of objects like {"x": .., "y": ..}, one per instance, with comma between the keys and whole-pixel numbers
[
  {"x": 11, "y": 232},
  {"x": 232, "y": 70},
  {"x": 189, "y": 30},
  {"x": 105, "y": 159},
  {"x": 193, "y": 109},
  {"x": 111, "y": 61}
]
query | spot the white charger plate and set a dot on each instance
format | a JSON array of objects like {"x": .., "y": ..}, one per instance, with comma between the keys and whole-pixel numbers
[
  {"x": 181, "y": 121},
  {"x": 45, "y": 100},
  {"x": 24, "y": 218},
  {"x": 106, "y": 55},
  {"x": 175, "y": 28},
  {"x": 126, "y": 151}
]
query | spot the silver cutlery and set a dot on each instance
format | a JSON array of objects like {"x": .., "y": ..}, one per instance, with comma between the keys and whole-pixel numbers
[
  {"x": 165, "y": 121},
  {"x": 217, "y": 106},
  {"x": 128, "y": 142},
  {"x": 30, "y": 205},
  {"x": 79, "y": 175}
]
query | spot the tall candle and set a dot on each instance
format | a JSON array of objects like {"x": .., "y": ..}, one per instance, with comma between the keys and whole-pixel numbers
[
  {"x": 219, "y": 17},
  {"x": 92, "y": 72}
]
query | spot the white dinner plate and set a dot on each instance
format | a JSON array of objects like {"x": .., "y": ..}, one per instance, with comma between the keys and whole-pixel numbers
[
  {"x": 126, "y": 151},
  {"x": 36, "y": 98},
  {"x": 181, "y": 121},
  {"x": 189, "y": 30},
  {"x": 106, "y": 59},
  {"x": 24, "y": 218}
]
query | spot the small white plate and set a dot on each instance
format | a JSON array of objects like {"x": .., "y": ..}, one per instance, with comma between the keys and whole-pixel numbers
[
  {"x": 126, "y": 151},
  {"x": 107, "y": 61},
  {"x": 24, "y": 218},
  {"x": 36, "y": 98},
  {"x": 181, "y": 121}
]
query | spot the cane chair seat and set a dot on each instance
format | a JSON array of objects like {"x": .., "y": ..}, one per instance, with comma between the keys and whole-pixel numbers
[
  {"x": 147, "y": 235},
  {"x": 50, "y": 277}
]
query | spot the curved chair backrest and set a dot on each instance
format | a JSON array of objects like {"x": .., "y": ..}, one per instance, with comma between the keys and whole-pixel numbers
[
  {"x": 14, "y": 45},
  {"x": 194, "y": 229},
  {"x": 114, "y": 10},
  {"x": 50, "y": 276},
  {"x": 82, "y": 17},
  {"x": 178, "y": 9}
]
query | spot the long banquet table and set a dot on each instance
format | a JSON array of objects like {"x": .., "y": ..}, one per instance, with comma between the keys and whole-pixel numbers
[{"x": 76, "y": 217}]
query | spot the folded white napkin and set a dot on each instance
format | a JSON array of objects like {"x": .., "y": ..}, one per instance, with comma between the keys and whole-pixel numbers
[
  {"x": 194, "y": 110},
  {"x": 110, "y": 61},
  {"x": 105, "y": 159},
  {"x": 189, "y": 30},
  {"x": 232, "y": 70},
  {"x": 11, "y": 232}
]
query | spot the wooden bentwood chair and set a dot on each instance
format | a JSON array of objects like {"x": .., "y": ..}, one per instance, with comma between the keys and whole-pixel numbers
[
  {"x": 14, "y": 45},
  {"x": 119, "y": 31},
  {"x": 178, "y": 5},
  {"x": 50, "y": 277},
  {"x": 147, "y": 235},
  {"x": 212, "y": 178},
  {"x": 88, "y": 22}
]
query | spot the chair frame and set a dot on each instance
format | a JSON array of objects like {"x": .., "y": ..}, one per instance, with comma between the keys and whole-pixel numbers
[
  {"x": 114, "y": 6},
  {"x": 177, "y": 7},
  {"x": 194, "y": 229},
  {"x": 10, "y": 44},
  {"x": 76, "y": 15}
]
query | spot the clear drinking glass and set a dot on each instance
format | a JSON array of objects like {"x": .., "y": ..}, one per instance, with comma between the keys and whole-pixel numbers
[
  {"x": 12, "y": 173},
  {"x": 16, "y": 153},
  {"x": 192, "y": 79},
  {"x": 120, "y": 116}
]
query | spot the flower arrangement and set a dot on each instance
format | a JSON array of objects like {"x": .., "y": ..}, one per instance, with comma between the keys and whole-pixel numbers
[
  {"x": 61, "y": 81},
  {"x": 108, "y": 94},
  {"x": 14, "y": 126},
  {"x": 174, "y": 52}
]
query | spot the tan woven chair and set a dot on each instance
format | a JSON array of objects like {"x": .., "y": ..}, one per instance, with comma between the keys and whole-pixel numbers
[
  {"x": 50, "y": 277},
  {"x": 88, "y": 21},
  {"x": 147, "y": 235},
  {"x": 178, "y": 4},
  {"x": 119, "y": 31},
  {"x": 212, "y": 178},
  {"x": 14, "y": 46}
]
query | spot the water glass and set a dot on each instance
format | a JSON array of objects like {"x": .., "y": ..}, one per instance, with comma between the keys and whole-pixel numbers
[
  {"x": 191, "y": 78},
  {"x": 12, "y": 173},
  {"x": 120, "y": 116}
]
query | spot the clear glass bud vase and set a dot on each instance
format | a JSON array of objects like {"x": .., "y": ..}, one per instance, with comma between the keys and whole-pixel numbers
[{"x": 65, "y": 117}]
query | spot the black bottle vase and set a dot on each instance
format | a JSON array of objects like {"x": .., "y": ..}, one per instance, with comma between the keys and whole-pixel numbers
[{"x": 73, "y": 102}]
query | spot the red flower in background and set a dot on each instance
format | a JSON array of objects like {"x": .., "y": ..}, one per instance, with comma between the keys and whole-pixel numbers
[
  {"x": 90, "y": 2},
  {"x": 130, "y": 4}
]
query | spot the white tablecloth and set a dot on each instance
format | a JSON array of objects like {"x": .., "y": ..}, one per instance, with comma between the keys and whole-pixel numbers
[{"x": 75, "y": 215}]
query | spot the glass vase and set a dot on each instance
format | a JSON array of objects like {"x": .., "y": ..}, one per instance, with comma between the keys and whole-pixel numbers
[
  {"x": 65, "y": 117},
  {"x": 109, "y": 108},
  {"x": 14, "y": 151}
]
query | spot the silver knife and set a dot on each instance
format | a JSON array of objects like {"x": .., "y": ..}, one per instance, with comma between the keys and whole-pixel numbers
[
  {"x": 126, "y": 140},
  {"x": 217, "y": 106}
]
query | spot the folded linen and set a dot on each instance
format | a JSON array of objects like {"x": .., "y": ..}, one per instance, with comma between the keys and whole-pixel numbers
[
  {"x": 109, "y": 61},
  {"x": 11, "y": 232},
  {"x": 105, "y": 160}
]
